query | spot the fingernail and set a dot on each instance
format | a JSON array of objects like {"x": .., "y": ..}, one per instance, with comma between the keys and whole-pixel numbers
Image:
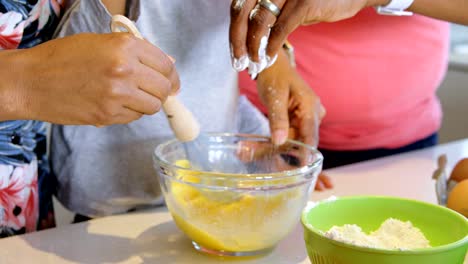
[
  {"x": 257, "y": 67},
  {"x": 254, "y": 12},
  {"x": 279, "y": 136},
  {"x": 253, "y": 76},
  {"x": 262, "y": 46},
  {"x": 239, "y": 4},
  {"x": 263, "y": 62},
  {"x": 253, "y": 67},
  {"x": 240, "y": 64},
  {"x": 271, "y": 61},
  {"x": 176, "y": 92},
  {"x": 172, "y": 59}
]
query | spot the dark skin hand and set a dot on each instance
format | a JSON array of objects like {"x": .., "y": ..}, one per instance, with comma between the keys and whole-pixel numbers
[
  {"x": 250, "y": 24},
  {"x": 324, "y": 182},
  {"x": 294, "y": 110},
  {"x": 253, "y": 151},
  {"x": 292, "y": 105}
]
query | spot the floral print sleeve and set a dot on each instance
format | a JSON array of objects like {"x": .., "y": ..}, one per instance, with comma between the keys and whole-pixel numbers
[
  {"x": 26, "y": 185},
  {"x": 27, "y": 23}
]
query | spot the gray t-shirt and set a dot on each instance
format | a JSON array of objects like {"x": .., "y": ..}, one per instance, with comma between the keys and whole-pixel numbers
[{"x": 109, "y": 170}]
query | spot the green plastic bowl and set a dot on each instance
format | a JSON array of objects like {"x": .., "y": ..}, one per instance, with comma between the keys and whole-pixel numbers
[{"x": 446, "y": 230}]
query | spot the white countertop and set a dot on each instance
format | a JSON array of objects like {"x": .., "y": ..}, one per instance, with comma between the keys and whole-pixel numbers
[{"x": 152, "y": 237}]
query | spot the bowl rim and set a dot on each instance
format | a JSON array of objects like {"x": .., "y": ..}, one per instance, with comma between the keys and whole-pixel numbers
[
  {"x": 422, "y": 251},
  {"x": 273, "y": 176}
]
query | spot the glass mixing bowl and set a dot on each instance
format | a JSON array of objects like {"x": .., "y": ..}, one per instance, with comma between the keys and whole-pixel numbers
[{"x": 248, "y": 198}]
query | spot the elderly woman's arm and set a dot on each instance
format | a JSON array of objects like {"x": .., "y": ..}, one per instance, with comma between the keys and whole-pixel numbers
[
  {"x": 92, "y": 79},
  {"x": 450, "y": 10}
]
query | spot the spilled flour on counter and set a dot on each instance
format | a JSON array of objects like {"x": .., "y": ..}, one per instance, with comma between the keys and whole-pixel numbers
[{"x": 392, "y": 234}]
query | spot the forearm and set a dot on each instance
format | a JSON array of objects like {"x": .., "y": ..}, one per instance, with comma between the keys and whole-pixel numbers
[
  {"x": 455, "y": 11},
  {"x": 450, "y": 10},
  {"x": 12, "y": 104},
  {"x": 115, "y": 7}
]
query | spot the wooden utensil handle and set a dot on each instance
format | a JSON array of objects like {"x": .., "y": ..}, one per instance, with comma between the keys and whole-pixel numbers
[
  {"x": 183, "y": 123},
  {"x": 181, "y": 120},
  {"x": 121, "y": 23}
]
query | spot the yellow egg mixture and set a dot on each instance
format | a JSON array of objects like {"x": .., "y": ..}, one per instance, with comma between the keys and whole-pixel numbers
[{"x": 246, "y": 223}]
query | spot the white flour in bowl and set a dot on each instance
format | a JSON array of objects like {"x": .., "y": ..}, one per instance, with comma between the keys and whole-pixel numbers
[{"x": 392, "y": 234}]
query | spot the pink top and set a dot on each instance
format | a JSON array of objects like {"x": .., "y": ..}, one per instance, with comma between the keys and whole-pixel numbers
[{"x": 376, "y": 76}]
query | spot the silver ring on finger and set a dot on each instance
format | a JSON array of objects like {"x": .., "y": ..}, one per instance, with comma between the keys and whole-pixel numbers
[{"x": 270, "y": 6}]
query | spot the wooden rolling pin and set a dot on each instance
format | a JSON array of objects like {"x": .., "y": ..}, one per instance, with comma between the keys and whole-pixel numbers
[{"x": 182, "y": 122}]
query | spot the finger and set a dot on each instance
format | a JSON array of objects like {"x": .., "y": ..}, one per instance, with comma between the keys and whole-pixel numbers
[
  {"x": 245, "y": 151},
  {"x": 308, "y": 111},
  {"x": 292, "y": 133},
  {"x": 326, "y": 180},
  {"x": 277, "y": 105},
  {"x": 304, "y": 153},
  {"x": 141, "y": 101},
  {"x": 154, "y": 83},
  {"x": 249, "y": 151},
  {"x": 127, "y": 116},
  {"x": 175, "y": 82},
  {"x": 309, "y": 128},
  {"x": 289, "y": 19},
  {"x": 261, "y": 20},
  {"x": 240, "y": 10},
  {"x": 174, "y": 78},
  {"x": 155, "y": 58},
  {"x": 319, "y": 185}
]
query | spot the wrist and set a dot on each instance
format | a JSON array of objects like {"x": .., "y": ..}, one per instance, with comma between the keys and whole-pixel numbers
[{"x": 12, "y": 105}]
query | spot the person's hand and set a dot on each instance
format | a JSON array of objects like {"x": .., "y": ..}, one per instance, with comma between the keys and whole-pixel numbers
[
  {"x": 284, "y": 157},
  {"x": 256, "y": 34},
  {"x": 294, "y": 110},
  {"x": 92, "y": 79},
  {"x": 323, "y": 182}
]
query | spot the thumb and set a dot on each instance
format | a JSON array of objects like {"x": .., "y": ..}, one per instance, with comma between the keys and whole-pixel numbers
[{"x": 278, "y": 115}]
